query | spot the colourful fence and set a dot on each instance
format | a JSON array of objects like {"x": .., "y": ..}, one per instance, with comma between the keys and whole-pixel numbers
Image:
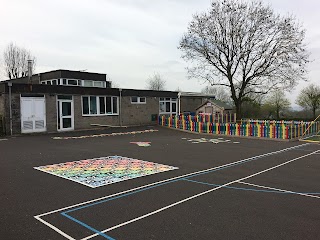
[
  {"x": 205, "y": 118},
  {"x": 263, "y": 129}
]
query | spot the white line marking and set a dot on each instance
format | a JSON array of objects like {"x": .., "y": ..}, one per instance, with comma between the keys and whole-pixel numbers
[
  {"x": 55, "y": 228},
  {"x": 70, "y": 179},
  {"x": 195, "y": 196},
  {"x": 280, "y": 190},
  {"x": 170, "y": 179}
]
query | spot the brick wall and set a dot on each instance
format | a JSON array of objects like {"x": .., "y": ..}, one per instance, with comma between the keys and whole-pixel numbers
[
  {"x": 51, "y": 113},
  {"x": 2, "y": 104},
  {"x": 2, "y": 127},
  {"x": 139, "y": 114},
  {"x": 15, "y": 106},
  {"x": 190, "y": 104}
]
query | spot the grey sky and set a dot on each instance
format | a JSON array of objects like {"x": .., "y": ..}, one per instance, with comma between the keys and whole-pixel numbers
[{"x": 127, "y": 39}]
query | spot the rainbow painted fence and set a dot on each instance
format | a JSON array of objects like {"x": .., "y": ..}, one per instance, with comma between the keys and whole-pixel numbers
[{"x": 249, "y": 128}]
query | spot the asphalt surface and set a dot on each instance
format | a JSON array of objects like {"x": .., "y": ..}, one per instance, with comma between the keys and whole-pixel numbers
[{"x": 277, "y": 197}]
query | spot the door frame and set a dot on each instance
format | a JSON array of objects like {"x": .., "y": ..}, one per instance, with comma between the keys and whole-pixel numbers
[{"x": 59, "y": 115}]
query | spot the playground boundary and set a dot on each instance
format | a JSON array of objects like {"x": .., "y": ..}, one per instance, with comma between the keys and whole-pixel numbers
[
  {"x": 231, "y": 136},
  {"x": 279, "y": 130}
]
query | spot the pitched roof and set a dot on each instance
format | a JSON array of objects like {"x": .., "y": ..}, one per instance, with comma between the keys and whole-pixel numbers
[
  {"x": 197, "y": 94},
  {"x": 218, "y": 103}
]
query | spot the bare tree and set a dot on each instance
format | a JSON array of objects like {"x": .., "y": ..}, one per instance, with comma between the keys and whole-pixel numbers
[
  {"x": 246, "y": 47},
  {"x": 16, "y": 61},
  {"x": 309, "y": 98},
  {"x": 219, "y": 92},
  {"x": 156, "y": 82},
  {"x": 277, "y": 103}
]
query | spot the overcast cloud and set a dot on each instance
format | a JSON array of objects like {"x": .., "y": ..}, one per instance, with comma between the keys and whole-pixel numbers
[{"x": 127, "y": 39}]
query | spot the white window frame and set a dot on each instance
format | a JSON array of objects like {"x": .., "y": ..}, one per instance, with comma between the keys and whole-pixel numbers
[
  {"x": 79, "y": 82},
  {"x": 171, "y": 101},
  {"x": 139, "y": 100},
  {"x": 68, "y": 79},
  {"x": 98, "y": 106}
]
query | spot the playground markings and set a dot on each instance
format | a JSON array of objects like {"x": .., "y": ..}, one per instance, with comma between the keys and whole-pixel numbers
[
  {"x": 54, "y": 228},
  {"x": 280, "y": 190},
  {"x": 178, "y": 177},
  {"x": 198, "y": 195},
  {"x": 159, "y": 183},
  {"x": 142, "y": 144},
  {"x": 105, "y": 134},
  {"x": 207, "y": 140},
  {"x": 102, "y": 171}
]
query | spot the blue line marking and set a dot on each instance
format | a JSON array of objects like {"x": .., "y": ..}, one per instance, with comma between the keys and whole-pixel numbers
[
  {"x": 120, "y": 196},
  {"x": 231, "y": 165},
  {"x": 175, "y": 180},
  {"x": 248, "y": 189},
  {"x": 160, "y": 184},
  {"x": 237, "y": 188},
  {"x": 87, "y": 226}
]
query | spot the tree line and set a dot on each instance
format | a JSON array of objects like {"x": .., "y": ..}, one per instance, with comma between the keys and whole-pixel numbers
[
  {"x": 15, "y": 61},
  {"x": 275, "y": 105},
  {"x": 243, "y": 46}
]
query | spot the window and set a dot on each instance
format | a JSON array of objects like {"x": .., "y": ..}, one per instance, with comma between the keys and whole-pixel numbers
[
  {"x": 97, "y": 84},
  {"x": 72, "y": 82},
  {"x": 65, "y": 97},
  {"x": 168, "y": 106},
  {"x": 115, "y": 105},
  {"x": 85, "y": 105},
  {"x": 64, "y": 81},
  {"x": 54, "y": 82},
  {"x": 90, "y": 83},
  {"x": 93, "y": 105},
  {"x": 142, "y": 100},
  {"x": 136, "y": 100},
  {"x": 109, "y": 106},
  {"x": 87, "y": 83},
  {"x": 102, "y": 105},
  {"x": 99, "y": 105}
]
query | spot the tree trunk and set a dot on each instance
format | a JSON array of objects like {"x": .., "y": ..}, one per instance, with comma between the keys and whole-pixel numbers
[
  {"x": 237, "y": 103},
  {"x": 314, "y": 113}
]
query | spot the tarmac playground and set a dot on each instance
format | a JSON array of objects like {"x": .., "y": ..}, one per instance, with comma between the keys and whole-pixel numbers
[{"x": 158, "y": 183}]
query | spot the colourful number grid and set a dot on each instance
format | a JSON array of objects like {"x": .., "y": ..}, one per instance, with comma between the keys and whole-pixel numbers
[{"x": 105, "y": 170}]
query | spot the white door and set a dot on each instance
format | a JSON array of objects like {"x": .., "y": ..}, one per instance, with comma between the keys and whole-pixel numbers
[
  {"x": 33, "y": 114},
  {"x": 65, "y": 115}
]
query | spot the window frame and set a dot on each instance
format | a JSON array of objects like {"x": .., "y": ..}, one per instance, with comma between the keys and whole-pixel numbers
[
  {"x": 170, "y": 101},
  {"x": 114, "y": 112},
  {"x": 138, "y": 100}
]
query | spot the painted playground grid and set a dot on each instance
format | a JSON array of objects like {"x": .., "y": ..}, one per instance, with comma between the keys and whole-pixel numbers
[
  {"x": 185, "y": 177},
  {"x": 103, "y": 171}
]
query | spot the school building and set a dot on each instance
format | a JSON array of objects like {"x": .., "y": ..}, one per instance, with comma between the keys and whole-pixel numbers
[{"x": 64, "y": 100}]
